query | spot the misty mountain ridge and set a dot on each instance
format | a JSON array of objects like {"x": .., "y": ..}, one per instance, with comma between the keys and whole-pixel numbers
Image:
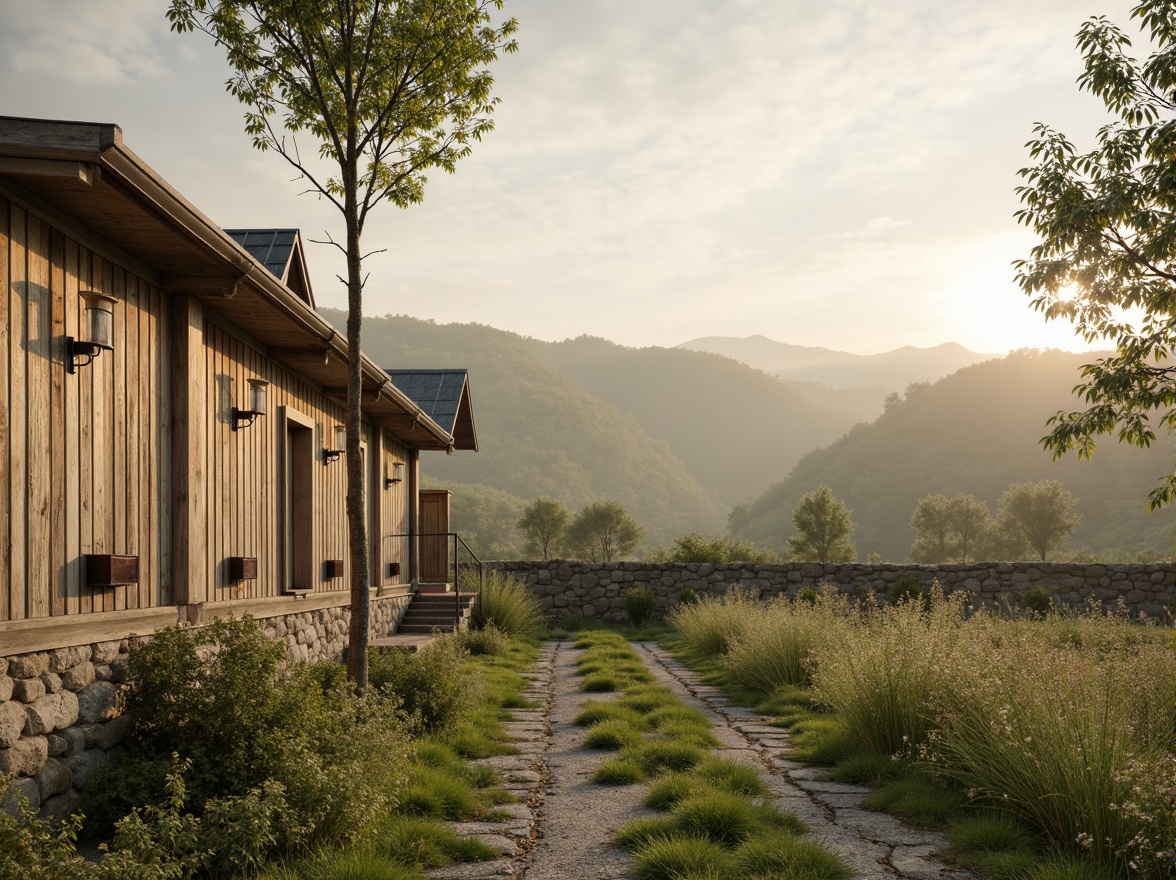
[{"x": 893, "y": 370}]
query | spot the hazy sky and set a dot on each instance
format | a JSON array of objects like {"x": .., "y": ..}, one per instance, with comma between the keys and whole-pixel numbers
[{"x": 835, "y": 173}]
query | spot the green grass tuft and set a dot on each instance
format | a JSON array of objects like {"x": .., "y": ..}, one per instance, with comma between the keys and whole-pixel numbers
[
  {"x": 676, "y": 858},
  {"x": 656, "y": 755},
  {"x": 618, "y": 771},
  {"x": 731, "y": 776},
  {"x": 917, "y": 800},
  {"x": 638, "y": 832},
  {"x": 427, "y": 843},
  {"x": 782, "y": 856},
  {"x": 718, "y": 816},
  {"x": 866, "y": 768},
  {"x": 594, "y": 711},
  {"x": 600, "y": 683},
  {"x": 612, "y": 735}
]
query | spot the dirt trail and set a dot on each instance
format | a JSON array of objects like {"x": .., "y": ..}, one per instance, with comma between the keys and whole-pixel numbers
[{"x": 564, "y": 831}]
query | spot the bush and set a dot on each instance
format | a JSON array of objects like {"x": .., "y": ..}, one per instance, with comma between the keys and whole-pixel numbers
[
  {"x": 506, "y": 603},
  {"x": 808, "y": 594},
  {"x": 639, "y": 605},
  {"x": 213, "y": 698},
  {"x": 907, "y": 589},
  {"x": 687, "y": 597},
  {"x": 1037, "y": 602},
  {"x": 234, "y": 835},
  {"x": 35, "y": 847},
  {"x": 433, "y": 685},
  {"x": 489, "y": 641}
]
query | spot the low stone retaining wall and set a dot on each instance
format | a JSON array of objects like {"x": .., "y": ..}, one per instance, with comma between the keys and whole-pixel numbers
[
  {"x": 60, "y": 710},
  {"x": 594, "y": 589}
]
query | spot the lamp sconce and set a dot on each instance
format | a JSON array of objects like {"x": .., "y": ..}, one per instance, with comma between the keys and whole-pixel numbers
[
  {"x": 243, "y": 418},
  {"x": 395, "y": 476},
  {"x": 330, "y": 455},
  {"x": 98, "y": 327}
]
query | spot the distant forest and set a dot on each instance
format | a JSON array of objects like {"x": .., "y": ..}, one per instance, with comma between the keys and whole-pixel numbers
[{"x": 693, "y": 441}]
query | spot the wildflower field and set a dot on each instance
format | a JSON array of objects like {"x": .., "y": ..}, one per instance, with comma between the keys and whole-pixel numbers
[{"x": 1060, "y": 728}]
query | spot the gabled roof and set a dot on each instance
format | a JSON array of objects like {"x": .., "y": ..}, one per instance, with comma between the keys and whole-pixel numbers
[
  {"x": 81, "y": 177},
  {"x": 444, "y": 396},
  {"x": 280, "y": 251}
]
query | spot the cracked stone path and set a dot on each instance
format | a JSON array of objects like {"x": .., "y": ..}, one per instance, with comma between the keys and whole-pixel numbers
[{"x": 564, "y": 828}]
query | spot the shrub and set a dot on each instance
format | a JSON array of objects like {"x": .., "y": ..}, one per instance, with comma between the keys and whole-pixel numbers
[
  {"x": 639, "y": 605},
  {"x": 433, "y": 685},
  {"x": 907, "y": 589},
  {"x": 489, "y": 641},
  {"x": 1037, "y": 602},
  {"x": 213, "y": 698},
  {"x": 506, "y": 603},
  {"x": 687, "y": 597},
  {"x": 233, "y": 836},
  {"x": 35, "y": 847},
  {"x": 808, "y": 594}
]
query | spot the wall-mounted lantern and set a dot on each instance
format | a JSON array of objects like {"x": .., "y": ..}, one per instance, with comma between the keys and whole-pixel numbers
[
  {"x": 97, "y": 331},
  {"x": 331, "y": 454},
  {"x": 394, "y": 475},
  {"x": 243, "y": 418}
]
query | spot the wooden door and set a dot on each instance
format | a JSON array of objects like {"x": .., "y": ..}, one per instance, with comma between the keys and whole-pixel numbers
[{"x": 434, "y": 539}]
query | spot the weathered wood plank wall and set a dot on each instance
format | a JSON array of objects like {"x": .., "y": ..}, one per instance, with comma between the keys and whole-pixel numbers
[{"x": 80, "y": 460}]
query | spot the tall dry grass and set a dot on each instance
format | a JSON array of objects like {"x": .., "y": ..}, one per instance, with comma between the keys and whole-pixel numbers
[
  {"x": 1068, "y": 722},
  {"x": 883, "y": 675},
  {"x": 774, "y": 646},
  {"x": 711, "y": 624}
]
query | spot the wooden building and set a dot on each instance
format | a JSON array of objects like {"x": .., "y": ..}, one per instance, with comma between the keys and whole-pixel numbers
[{"x": 139, "y": 483}]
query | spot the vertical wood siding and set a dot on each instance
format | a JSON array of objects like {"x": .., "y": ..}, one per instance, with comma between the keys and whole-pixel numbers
[
  {"x": 244, "y": 510},
  {"x": 80, "y": 464},
  {"x": 395, "y": 515}
]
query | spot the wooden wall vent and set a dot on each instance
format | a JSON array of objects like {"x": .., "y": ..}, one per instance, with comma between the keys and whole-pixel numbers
[
  {"x": 333, "y": 568},
  {"x": 242, "y": 568},
  {"x": 110, "y": 570},
  {"x": 393, "y": 569}
]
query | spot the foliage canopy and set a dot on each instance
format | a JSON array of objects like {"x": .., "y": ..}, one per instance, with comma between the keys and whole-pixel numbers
[
  {"x": 604, "y": 531},
  {"x": 1108, "y": 238},
  {"x": 543, "y": 522},
  {"x": 823, "y": 528}
]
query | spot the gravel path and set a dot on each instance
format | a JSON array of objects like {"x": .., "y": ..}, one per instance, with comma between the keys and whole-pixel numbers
[{"x": 565, "y": 828}]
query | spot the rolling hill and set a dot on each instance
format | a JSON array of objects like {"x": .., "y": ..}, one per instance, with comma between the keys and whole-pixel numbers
[
  {"x": 542, "y": 433},
  {"x": 732, "y": 425},
  {"x": 976, "y": 432}
]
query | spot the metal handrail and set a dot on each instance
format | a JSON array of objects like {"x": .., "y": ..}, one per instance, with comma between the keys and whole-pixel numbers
[{"x": 457, "y": 540}]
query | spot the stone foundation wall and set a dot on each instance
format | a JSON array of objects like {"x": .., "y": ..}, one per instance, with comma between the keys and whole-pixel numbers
[
  {"x": 594, "y": 589},
  {"x": 60, "y": 710}
]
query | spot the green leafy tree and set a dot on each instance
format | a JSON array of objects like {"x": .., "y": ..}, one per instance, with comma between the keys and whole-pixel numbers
[
  {"x": 603, "y": 531},
  {"x": 1039, "y": 513},
  {"x": 971, "y": 521},
  {"x": 1108, "y": 238},
  {"x": 948, "y": 528},
  {"x": 823, "y": 528},
  {"x": 543, "y": 524},
  {"x": 695, "y": 547},
  {"x": 384, "y": 90},
  {"x": 933, "y": 530}
]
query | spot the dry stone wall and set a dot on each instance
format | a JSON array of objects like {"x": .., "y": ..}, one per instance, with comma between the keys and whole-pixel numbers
[
  {"x": 594, "y": 590},
  {"x": 61, "y": 711}
]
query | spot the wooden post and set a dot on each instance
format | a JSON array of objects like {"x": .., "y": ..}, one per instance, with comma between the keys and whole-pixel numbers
[
  {"x": 189, "y": 426},
  {"x": 376, "y": 491},
  {"x": 414, "y": 516}
]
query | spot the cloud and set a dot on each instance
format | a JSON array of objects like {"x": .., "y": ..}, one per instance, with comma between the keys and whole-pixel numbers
[{"x": 82, "y": 42}]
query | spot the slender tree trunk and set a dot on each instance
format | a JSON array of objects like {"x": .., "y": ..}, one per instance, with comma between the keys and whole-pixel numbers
[{"x": 357, "y": 643}]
